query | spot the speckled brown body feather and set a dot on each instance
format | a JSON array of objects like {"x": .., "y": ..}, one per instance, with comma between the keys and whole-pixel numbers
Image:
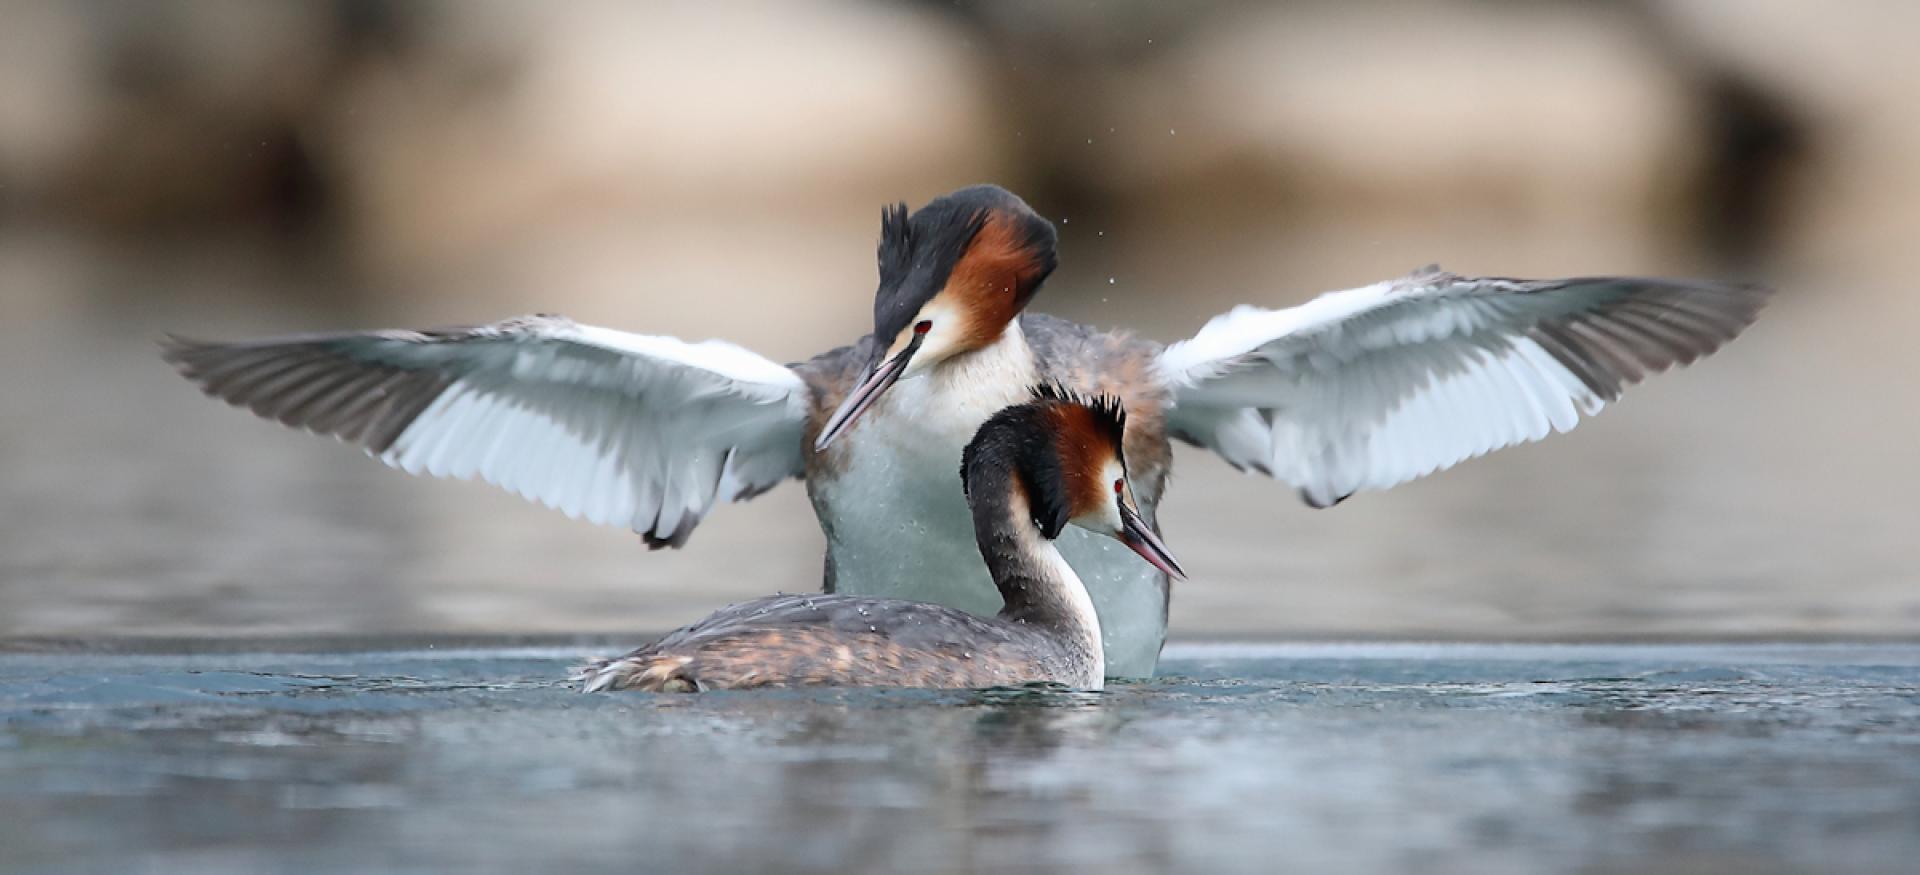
[{"x": 836, "y": 640}]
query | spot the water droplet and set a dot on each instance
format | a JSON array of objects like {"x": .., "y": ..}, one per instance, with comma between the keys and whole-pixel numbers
[
  {"x": 1111, "y": 280},
  {"x": 1099, "y": 233},
  {"x": 1171, "y": 132}
]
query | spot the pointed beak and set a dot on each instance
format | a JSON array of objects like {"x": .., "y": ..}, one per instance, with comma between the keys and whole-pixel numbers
[
  {"x": 863, "y": 395},
  {"x": 1135, "y": 533}
]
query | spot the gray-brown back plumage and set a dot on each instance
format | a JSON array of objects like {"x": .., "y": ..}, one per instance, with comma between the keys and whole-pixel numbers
[{"x": 835, "y": 640}]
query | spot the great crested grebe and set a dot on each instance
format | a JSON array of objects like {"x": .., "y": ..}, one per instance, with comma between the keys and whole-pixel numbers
[
  {"x": 1354, "y": 390},
  {"x": 1030, "y": 471}
]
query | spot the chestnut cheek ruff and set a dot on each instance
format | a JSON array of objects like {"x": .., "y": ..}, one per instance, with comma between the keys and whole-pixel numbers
[{"x": 1000, "y": 273}]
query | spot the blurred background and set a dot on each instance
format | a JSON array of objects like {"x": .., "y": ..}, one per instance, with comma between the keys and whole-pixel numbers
[{"x": 225, "y": 169}]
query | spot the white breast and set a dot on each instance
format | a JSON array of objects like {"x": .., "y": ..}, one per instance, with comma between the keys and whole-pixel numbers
[{"x": 899, "y": 526}]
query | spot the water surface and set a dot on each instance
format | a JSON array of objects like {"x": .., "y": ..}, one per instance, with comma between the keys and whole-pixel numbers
[{"x": 1351, "y": 758}]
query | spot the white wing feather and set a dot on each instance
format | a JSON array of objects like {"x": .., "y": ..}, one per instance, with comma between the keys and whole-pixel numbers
[
  {"x": 1372, "y": 387},
  {"x": 621, "y": 429}
]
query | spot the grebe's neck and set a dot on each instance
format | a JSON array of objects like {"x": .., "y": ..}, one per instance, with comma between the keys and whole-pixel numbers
[
  {"x": 1037, "y": 585},
  {"x": 1007, "y": 365}
]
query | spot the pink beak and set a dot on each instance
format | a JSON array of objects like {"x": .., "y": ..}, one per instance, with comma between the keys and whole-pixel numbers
[
  {"x": 863, "y": 395},
  {"x": 1135, "y": 533}
]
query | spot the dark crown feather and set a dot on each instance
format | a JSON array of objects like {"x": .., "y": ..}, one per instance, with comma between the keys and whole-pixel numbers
[
  {"x": 1016, "y": 440},
  {"x": 918, "y": 251},
  {"x": 1108, "y": 410},
  {"x": 896, "y": 242}
]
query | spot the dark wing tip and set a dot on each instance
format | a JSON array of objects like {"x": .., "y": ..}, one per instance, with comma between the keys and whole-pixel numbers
[
  {"x": 1316, "y": 504},
  {"x": 306, "y": 382},
  {"x": 1755, "y": 296},
  {"x": 178, "y": 349},
  {"x": 673, "y": 540},
  {"x": 1645, "y": 326},
  {"x": 196, "y": 360}
]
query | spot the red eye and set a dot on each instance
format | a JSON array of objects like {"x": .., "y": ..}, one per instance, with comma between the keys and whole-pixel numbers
[
  {"x": 922, "y": 327},
  {"x": 1119, "y": 485}
]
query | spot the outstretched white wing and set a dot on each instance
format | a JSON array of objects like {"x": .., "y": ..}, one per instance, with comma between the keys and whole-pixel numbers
[
  {"x": 1372, "y": 387},
  {"x": 622, "y": 429}
]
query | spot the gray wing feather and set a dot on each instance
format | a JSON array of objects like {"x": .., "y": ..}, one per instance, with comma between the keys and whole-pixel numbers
[
  {"x": 623, "y": 429},
  {"x": 1371, "y": 387}
]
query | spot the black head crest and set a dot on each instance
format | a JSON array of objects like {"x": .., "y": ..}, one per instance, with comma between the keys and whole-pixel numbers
[
  {"x": 896, "y": 244},
  {"x": 918, "y": 252},
  {"x": 1026, "y": 442},
  {"x": 1017, "y": 444},
  {"x": 1109, "y": 414}
]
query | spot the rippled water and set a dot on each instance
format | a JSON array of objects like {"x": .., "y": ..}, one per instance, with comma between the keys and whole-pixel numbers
[{"x": 1447, "y": 758}]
